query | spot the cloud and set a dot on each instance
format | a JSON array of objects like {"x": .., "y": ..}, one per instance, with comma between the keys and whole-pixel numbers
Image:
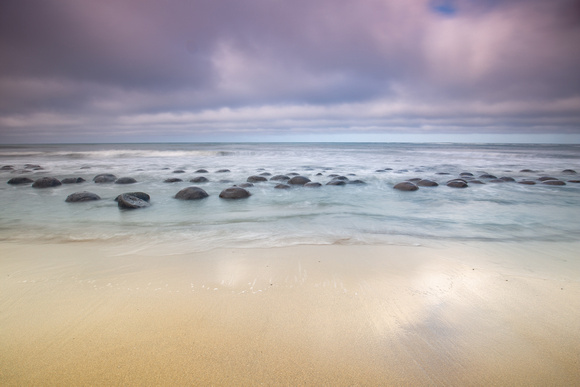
[{"x": 324, "y": 66}]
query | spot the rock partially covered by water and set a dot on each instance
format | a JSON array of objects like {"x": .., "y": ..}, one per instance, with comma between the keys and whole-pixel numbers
[
  {"x": 507, "y": 178},
  {"x": 265, "y": 174},
  {"x": 487, "y": 176},
  {"x": 105, "y": 178},
  {"x": 528, "y": 171},
  {"x": 7, "y": 168},
  {"x": 426, "y": 183},
  {"x": 256, "y": 179},
  {"x": 280, "y": 178},
  {"x": 313, "y": 185},
  {"x": 139, "y": 195},
  {"x": 282, "y": 186},
  {"x": 527, "y": 182},
  {"x": 406, "y": 186},
  {"x": 357, "y": 182},
  {"x": 466, "y": 174},
  {"x": 129, "y": 201},
  {"x": 457, "y": 184},
  {"x": 244, "y": 185},
  {"x": 544, "y": 178},
  {"x": 223, "y": 171},
  {"x": 46, "y": 182},
  {"x": 191, "y": 193},
  {"x": 73, "y": 180},
  {"x": 201, "y": 171},
  {"x": 179, "y": 171},
  {"x": 172, "y": 180},
  {"x": 299, "y": 180},
  {"x": 553, "y": 182},
  {"x": 336, "y": 182},
  {"x": 20, "y": 180},
  {"x": 83, "y": 196},
  {"x": 234, "y": 193},
  {"x": 125, "y": 180},
  {"x": 199, "y": 179},
  {"x": 569, "y": 172}
]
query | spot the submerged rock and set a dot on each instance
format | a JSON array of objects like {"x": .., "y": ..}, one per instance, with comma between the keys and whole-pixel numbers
[
  {"x": 199, "y": 179},
  {"x": 544, "y": 178},
  {"x": 7, "y": 168},
  {"x": 129, "y": 201},
  {"x": 282, "y": 186},
  {"x": 191, "y": 193},
  {"x": 466, "y": 174},
  {"x": 527, "y": 182},
  {"x": 336, "y": 182},
  {"x": 507, "y": 178},
  {"x": 487, "y": 176},
  {"x": 256, "y": 179},
  {"x": 528, "y": 171},
  {"x": 201, "y": 171},
  {"x": 179, "y": 171},
  {"x": 457, "y": 184},
  {"x": 235, "y": 193},
  {"x": 356, "y": 182},
  {"x": 125, "y": 180},
  {"x": 172, "y": 180},
  {"x": 406, "y": 186},
  {"x": 299, "y": 180},
  {"x": 312, "y": 185},
  {"x": 83, "y": 196},
  {"x": 265, "y": 174},
  {"x": 20, "y": 180},
  {"x": 553, "y": 182},
  {"x": 46, "y": 182},
  {"x": 139, "y": 195},
  {"x": 569, "y": 172},
  {"x": 245, "y": 185},
  {"x": 105, "y": 178},
  {"x": 73, "y": 180},
  {"x": 426, "y": 183},
  {"x": 280, "y": 178},
  {"x": 223, "y": 171}
]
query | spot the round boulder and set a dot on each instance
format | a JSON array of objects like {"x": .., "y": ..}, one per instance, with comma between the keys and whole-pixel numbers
[
  {"x": 544, "y": 178},
  {"x": 282, "y": 186},
  {"x": 20, "y": 180},
  {"x": 223, "y": 171},
  {"x": 426, "y": 183},
  {"x": 83, "y": 196},
  {"x": 280, "y": 178},
  {"x": 299, "y": 180},
  {"x": 265, "y": 174},
  {"x": 7, "y": 168},
  {"x": 256, "y": 179},
  {"x": 129, "y": 201},
  {"x": 125, "y": 180},
  {"x": 46, "y": 182},
  {"x": 356, "y": 182},
  {"x": 72, "y": 180},
  {"x": 201, "y": 171},
  {"x": 487, "y": 176},
  {"x": 507, "y": 178},
  {"x": 527, "y": 182},
  {"x": 553, "y": 182},
  {"x": 191, "y": 193},
  {"x": 336, "y": 182},
  {"x": 313, "y": 185},
  {"x": 138, "y": 195},
  {"x": 179, "y": 171},
  {"x": 569, "y": 172},
  {"x": 466, "y": 174},
  {"x": 234, "y": 193},
  {"x": 457, "y": 184},
  {"x": 406, "y": 186},
  {"x": 199, "y": 179},
  {"x": 245, "y": 185},
  {"x": 172, "y": 180},
  {"x": 105, "y": 178},
  {"x": 527, "y": 171}
]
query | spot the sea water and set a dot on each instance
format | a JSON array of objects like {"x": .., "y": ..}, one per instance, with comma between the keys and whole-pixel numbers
[{"x": 371, "y": 213}]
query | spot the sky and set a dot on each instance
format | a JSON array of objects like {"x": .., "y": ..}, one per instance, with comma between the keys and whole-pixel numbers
[{"x": 300, "y": 70}]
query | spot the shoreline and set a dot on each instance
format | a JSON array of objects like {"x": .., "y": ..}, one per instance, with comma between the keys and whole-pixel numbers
[{"x": 457, "y": 314}]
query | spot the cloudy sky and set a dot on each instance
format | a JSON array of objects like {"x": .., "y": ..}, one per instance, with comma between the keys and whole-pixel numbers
[{"x": 300, "y": 70}]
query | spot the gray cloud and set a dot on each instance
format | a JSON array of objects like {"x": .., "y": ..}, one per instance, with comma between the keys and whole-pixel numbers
[{"x": 258, "y": 66}]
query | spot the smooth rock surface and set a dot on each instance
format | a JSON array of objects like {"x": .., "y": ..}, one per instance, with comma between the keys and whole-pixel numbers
[
  {"x": 406, "y": 186},
  {"x": 191, "y": 193},
  {"x": 46, "y": 182},
  {"x": 83, "y": 196},
  {"x": 235, "y": 193}
]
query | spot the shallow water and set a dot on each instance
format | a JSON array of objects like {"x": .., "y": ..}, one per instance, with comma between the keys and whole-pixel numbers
[{"x": 371, "y": 213}]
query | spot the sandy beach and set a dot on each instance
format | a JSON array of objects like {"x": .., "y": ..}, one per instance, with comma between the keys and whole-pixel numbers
[{"x": 89, "y": 313}]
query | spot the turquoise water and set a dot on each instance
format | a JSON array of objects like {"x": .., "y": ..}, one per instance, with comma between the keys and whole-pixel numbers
[{"x": 370, "y": 213}]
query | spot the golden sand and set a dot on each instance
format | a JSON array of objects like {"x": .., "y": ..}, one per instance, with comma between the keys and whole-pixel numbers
[{"x": 478, "y": 314}]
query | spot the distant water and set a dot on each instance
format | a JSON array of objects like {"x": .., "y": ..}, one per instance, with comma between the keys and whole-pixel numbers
[{"x": 370, "y": 213}]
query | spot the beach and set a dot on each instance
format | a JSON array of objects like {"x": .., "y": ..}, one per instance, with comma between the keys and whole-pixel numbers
[{"x": 94, "y": 313}]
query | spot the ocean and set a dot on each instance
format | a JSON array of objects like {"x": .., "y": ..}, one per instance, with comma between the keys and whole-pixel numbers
[{"x": 369, "y": 213}]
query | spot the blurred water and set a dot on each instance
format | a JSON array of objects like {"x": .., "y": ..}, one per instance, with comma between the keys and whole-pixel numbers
[{"x": 371, "y": 213}]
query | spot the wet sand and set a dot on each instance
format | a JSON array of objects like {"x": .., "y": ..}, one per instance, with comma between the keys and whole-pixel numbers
[{"x": 463, "y": 314}]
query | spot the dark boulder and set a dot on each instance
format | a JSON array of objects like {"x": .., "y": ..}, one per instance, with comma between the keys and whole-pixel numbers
[
  {"x": 256, "y": 179},
  {"x": 179, "y": 171},
  {"x": 199, "y": 179},
  {"x": 406, "y": 186},
  {"x": 226, "y": 181},
  {"x": 20, "y": 180},
  {"x": 487, "y": 176},
  {"x": 553, "y": 182},
  {"x": 426, "y": 183},
  {"x": 172, "y": 180},
  {"x": 356, "y": 182},
  {"x": 544, "y": 178},
  {"x": 223, "y": 171},
  {"x": 105, "y": 178},
  {"x": 343, "y": 178},
  {"x": 569, "y": 172},
  {"x": 282, "y": 186},
  {"x": 380, "y": 170},
  {"x": 457, "y": 184},
  {"x": 46, "y": 182},
  {"x": 507, "y": 178},
  {"x": 313, "y": 185},
  {"x": 139, "y": 195},
  {"x": 319, "y": 174},
  {"x": 573, "y": 181},
  {"x": 496, "y": 181},
  {"x": 191, "y": 193},
  {"x": 83, "y": 196},
  {"x": 245, "y": 185},
  {"x": 35, "y": 167},
  {"x": 528, "y": 171},
  {"x": 128, "y": 201},
  {"x": 299, "y": 180},
  {"x": 336, "y": 182},
  {"x": 73, "y": 180},
  {"x": 466, "y": 174},
  {"x": 527, "y": 182},
  {"x": 265, "y": 174},
  {"x": 7, "y": 168},
  {"x": 475, "y": 181},
  {"x": 234, "y": 193},
  {"x": 415, "y": 179},
  {"x": 293, "y": 174},
  {"x": 125, "y": 180},
  {"x": 201, "y": 171},
  {"x": 280, "y": 178},
  {"x": 442, "y": 173}
]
